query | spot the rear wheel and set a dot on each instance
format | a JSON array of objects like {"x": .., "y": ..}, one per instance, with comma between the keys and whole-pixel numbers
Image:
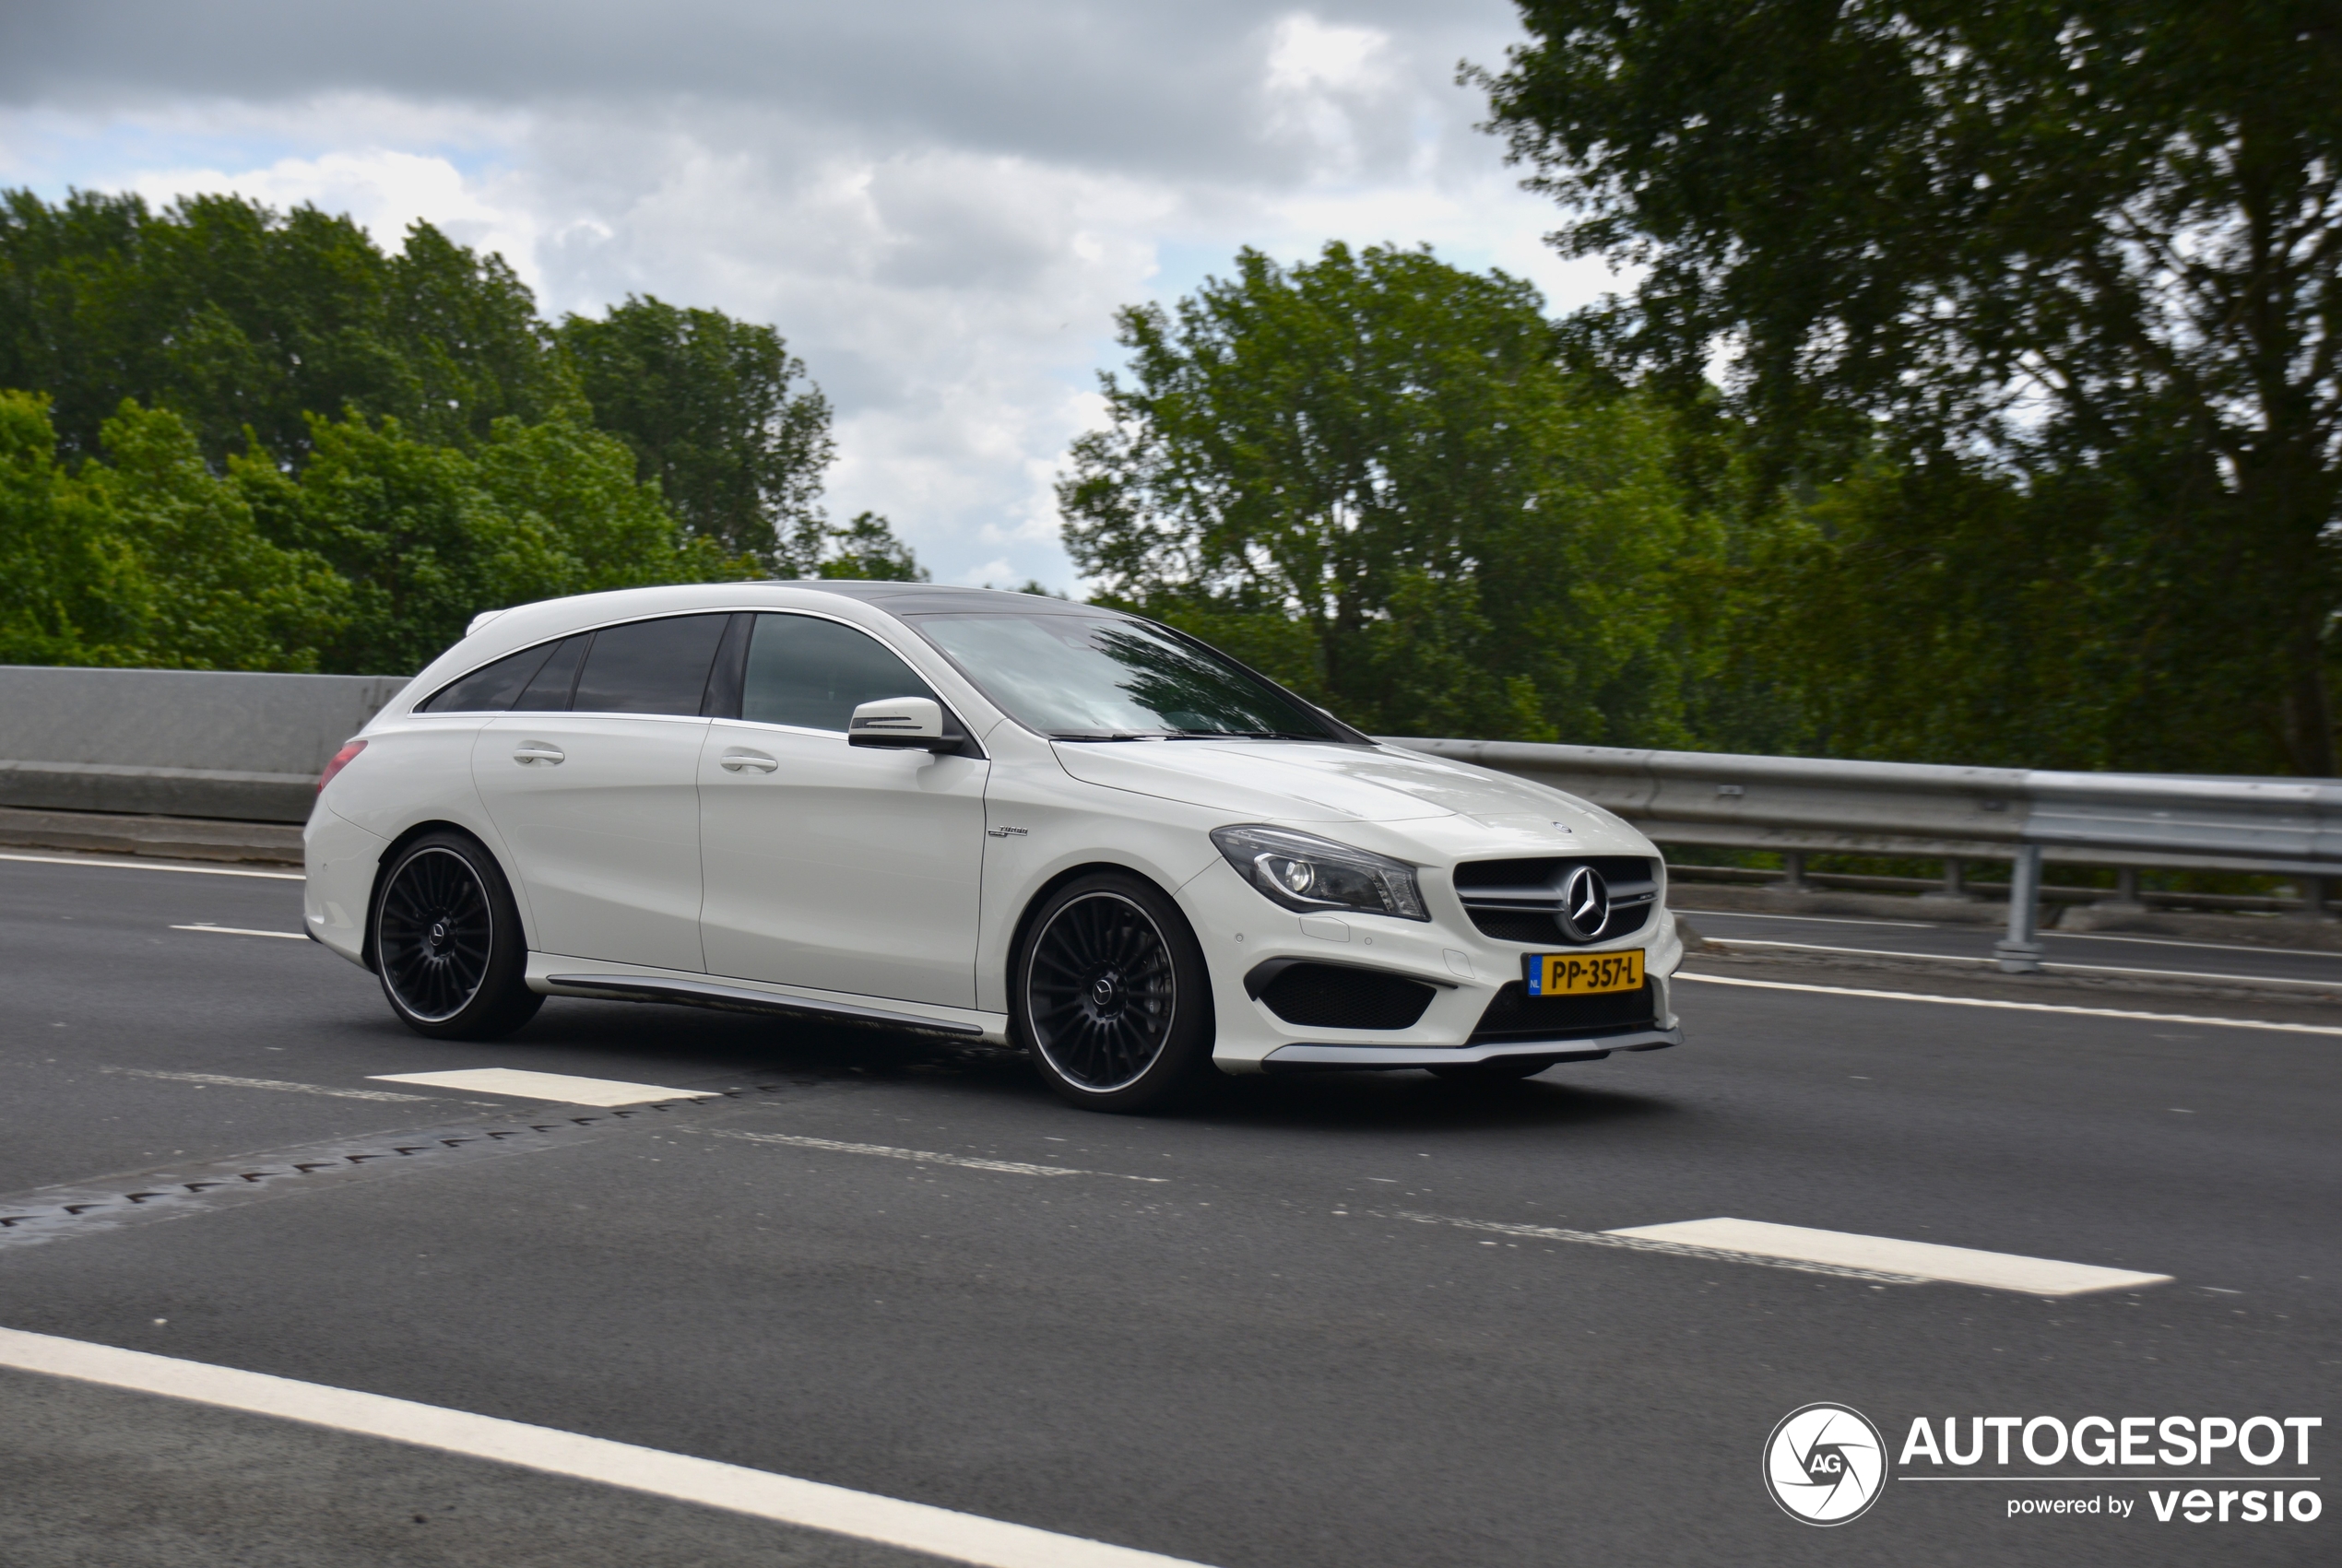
[
  {"x": 448, "y": 944},
  {"x": 1500, "y": 1069},
  {"x": 1111, "y": 997}
]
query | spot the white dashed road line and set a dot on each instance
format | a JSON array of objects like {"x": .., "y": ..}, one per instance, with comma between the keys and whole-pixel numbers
[
  {"x": 221, "y": 1082},
  {"x": 243, "y": 931},
  {"x": 1923, "y": 1260},
  {"x": 560, "y": 1088},
  {"x": 2013, "y": 1006},
  {"x": 154, "y": 865},
  {"x": 911, "y": 1527},
  {"x": 919, "y": 1156}
]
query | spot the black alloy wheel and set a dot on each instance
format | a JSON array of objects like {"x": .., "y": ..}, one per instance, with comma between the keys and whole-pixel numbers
[
  {"x": 1113, "y": 1001},
  {"x": 447, "y": 942}
]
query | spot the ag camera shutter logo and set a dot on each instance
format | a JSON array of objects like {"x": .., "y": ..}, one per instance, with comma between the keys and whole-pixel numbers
[{"x": 1825, "y": 1464}]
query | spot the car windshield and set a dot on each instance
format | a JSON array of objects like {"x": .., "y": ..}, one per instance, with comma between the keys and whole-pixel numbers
[{"x": 1103, "y": 677}]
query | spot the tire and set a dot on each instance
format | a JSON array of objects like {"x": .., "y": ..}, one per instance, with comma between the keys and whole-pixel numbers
[
  {"x": 447, "y": 943},
  {"x": 1110, "y": 997},
  {"x": 1501, "y": 1069}
]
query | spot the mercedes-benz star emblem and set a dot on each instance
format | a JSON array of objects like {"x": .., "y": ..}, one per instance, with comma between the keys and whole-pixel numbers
[{"x": 1585, "y": 903}]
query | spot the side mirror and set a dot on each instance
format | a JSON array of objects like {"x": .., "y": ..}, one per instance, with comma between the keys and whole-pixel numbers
[{"x": 904, "y": 723}]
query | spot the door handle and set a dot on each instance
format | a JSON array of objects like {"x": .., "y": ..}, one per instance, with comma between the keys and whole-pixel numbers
[
  {"x": 734, "y": 761},
  {"x": 530, "y": 752}
]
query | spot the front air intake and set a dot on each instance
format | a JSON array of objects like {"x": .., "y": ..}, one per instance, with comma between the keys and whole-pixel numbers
[{"x": 1334, "y": 996}]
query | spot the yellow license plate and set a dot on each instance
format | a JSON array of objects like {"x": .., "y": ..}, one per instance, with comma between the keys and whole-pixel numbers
[{"x": 1582, "y": 975}]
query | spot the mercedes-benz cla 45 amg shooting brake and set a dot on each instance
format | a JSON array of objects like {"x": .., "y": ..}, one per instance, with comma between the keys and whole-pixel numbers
[{"x": 984, "y": 815}]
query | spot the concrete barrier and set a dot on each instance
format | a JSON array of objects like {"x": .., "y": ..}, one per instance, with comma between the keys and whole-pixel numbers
[{"x": 217, "y": 744}]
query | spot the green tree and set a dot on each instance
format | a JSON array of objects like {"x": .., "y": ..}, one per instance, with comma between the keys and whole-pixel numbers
[
  {"x": 145, "y": 558},
  {"x": 719, "y": 413},
  {"x": 238, "y": 318},
  {"x": 867, "y": 549},
  {"x": 2082, "y": 249},
  {"x": 430, "y": 536},
  {"x": 1370, "y": 476}
]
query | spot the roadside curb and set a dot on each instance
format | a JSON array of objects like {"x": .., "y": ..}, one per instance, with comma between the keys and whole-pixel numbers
[
  {"x": 166, "y": 838},
  {"x": 1983, "y": 977}
]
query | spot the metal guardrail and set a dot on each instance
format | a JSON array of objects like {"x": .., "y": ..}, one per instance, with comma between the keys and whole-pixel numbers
[{"x": 1800, "y": 806}]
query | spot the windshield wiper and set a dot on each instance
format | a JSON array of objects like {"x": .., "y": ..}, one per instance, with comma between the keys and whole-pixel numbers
[
  {"x": 1244, "y": 735},
  {"x": 1101, "y": 734}
]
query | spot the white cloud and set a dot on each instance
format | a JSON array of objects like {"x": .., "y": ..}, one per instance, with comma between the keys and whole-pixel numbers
[{"x": 940, "y": 216}]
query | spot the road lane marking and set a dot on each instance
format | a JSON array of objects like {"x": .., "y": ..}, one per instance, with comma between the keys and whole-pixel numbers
[
  {"x": 1975, "y": 961},
  {"x": 221, "y": 1082},
  {"x": 1636, "y": 1243},
  {"x": 1924, "y": 1260},
  {"x": 921, "y": 1156},
  {"x": 2013, "y": 1006},
  {"x": 245, "y": 931},
  {"x": 154, "y": 865},
  {"x": 560, "y": 1088},
  {"x": 910, "y": 1527}
]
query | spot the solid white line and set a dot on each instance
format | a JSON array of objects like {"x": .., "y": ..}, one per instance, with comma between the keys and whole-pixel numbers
[
  {"x": 2051, "y": 967},
  {"x": 1925, "y": 1260},
  {"x": 921, "y": 1156},
  {"x": 223, "y": 1082},
  {"x": 152, "y": 866},
  {"x": 2012, "y": 1007},
  {"x": 911, "y": 1527},
  {"x": 560, "y": 1087},
  {"x": 243, "y": 931}
]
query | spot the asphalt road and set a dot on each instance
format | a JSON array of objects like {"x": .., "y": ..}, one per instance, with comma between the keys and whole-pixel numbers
[{"x": 1275, "y": 1332}]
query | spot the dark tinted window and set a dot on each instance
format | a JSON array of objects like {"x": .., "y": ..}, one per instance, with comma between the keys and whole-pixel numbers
[
  {"x": 815, "y": 673},
  {"x": 549, "y": 691},
  {"x": 490, "y": 688},
  {"x": 649, "y": 667}
]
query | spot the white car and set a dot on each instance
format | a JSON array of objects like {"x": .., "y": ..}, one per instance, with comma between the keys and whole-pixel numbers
[{"x": 989, "y": 816}]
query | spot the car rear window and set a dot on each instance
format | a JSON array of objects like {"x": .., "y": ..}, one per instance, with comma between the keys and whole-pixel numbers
[
  {"x": 649, "y": 667},
  {"x": 814, "y": 673}
]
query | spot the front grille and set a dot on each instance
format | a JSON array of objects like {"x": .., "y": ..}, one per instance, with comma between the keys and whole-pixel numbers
[
  {"x": 1521, "y": 901},
  {"x": 1328, "y": 996},
  {"x": 1517, "y": 1015}
]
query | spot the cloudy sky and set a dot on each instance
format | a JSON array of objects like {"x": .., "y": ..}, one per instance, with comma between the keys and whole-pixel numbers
[{"x": 940, "y": 205}]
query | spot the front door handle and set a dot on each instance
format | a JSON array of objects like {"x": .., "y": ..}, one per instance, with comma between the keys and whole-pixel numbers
[
  {"x": 528, "y": 753},
  {"x": 732, "y": 761}
]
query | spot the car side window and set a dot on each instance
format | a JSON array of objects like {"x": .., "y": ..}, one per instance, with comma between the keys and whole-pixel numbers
[
  {"x": 548, "y": 691},
  {"x": 649, "y": 667},
  {"x": 491, "y": 687},
  {"x": 814, "y": 673}
]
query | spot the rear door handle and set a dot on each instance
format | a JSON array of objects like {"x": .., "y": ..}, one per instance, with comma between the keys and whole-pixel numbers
[
  {"x": 734, "y": 761},
  {"x": 530, "y": 752}
]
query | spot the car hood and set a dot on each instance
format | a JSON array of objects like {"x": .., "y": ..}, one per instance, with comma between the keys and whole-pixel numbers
[{"x": 1298, "y": 782}]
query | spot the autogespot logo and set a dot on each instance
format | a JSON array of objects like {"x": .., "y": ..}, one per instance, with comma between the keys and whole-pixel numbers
[{"x": 1825, "y": 1464}]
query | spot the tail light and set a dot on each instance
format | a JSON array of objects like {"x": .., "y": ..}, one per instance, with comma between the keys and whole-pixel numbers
[{"x": 342, "y": 758}]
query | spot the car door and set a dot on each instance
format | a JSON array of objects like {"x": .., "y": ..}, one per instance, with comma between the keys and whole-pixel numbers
[
  {"x": 828, "y": 866},
  {"x": 591, "y": 782}
]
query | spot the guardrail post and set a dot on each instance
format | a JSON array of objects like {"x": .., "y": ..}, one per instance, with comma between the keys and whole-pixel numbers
[
  {"x": 2313, "y": 897},
  {"x": 2020, "y": 951},
  {"x": 1792, "y": 872},
  {"x": 1955, "y": 887}
]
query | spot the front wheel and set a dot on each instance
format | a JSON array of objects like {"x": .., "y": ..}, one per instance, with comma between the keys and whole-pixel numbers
[
  {"x": 448, "y": 944},
  {"x": 1111, "y": 997}
]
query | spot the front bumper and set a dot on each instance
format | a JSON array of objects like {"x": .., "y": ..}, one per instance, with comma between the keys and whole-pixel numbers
[{"x": 1239, "y": 929}]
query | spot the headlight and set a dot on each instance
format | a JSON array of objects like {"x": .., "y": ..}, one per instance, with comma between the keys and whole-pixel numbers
[{"x": 1304, "y": 872}]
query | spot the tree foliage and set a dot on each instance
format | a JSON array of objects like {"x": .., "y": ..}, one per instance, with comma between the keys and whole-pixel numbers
[
  {"x": 2086, "y": 254},
  {"x": 1370, "y": 475},
  {"x": 718, "y": 412}
]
